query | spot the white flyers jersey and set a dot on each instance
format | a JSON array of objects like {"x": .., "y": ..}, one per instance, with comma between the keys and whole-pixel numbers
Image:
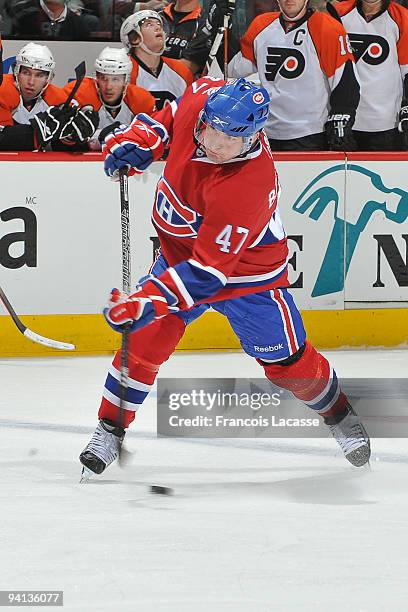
[
  {"x": 170, "y": 83},
  {"x": 299, "y": 68},
  {"x": 136, "y": 100},
  {"x": 22, "y": 115},
  {"x": 12, "y": 109},
  {"x": 380, "y": 48}
]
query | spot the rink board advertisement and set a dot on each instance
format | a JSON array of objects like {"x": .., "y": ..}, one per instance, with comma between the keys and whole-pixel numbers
[{"x": 60, "y": 234}]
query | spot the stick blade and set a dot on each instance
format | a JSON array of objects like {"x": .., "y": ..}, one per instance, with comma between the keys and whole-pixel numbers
[
  {"x": 55, "y": 344},
  {"x": 80, "y": 70}
]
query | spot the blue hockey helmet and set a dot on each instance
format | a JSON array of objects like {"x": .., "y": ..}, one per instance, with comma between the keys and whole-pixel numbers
[{"x": 238, "y": 109}]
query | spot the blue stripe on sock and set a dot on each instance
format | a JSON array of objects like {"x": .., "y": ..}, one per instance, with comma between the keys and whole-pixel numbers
[
  {"x": 325, "y": 401},
  {"x": 133, "y": 396}
]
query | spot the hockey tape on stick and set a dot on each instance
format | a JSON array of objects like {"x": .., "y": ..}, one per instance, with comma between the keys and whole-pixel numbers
[
  {"x": 216, "y": 44},
  {"x": 56, "y": 344},
  {"x": 226, "y": 25}
]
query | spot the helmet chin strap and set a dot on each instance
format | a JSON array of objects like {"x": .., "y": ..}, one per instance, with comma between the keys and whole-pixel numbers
[
  {"x": 297, "y": 16},
  {"x": 113, "y": 107},
  {"x": 141, "y": 45}
]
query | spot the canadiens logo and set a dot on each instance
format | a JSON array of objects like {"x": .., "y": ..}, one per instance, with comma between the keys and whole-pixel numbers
[
  {"x": 258, "y": 98},
  {"x": 171, "y": 216},
  {"x": 373, "y": 50},
  {"x": 288, "y": 63}
]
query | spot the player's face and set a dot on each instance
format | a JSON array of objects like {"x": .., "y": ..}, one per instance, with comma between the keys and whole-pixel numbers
[
  {"x": 31, "y": 82},
  {"x": 220, "y": 147},
  {"x": 111, "y": 87},
  {"x": 293, "y": 8},
  {"x": 153, "y": 34}
]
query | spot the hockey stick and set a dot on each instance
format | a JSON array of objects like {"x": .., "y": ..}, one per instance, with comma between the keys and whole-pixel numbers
[
  {"x": 226, "y": 25},
  {"x": 80, "y": 72},
  {"x": 124, "y": 454},
  {"x": 124, "y": 368},
  {"x": 62, "y": 346},
  {"x": 216, "y": 45}
]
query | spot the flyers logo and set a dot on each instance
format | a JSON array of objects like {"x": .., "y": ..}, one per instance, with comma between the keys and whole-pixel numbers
[
  {"x": 289, "y": 63},
  {"x": 372, "y": 50},
  {"x": 171, "y": 216},
  {"x": 163, "y": 98}
]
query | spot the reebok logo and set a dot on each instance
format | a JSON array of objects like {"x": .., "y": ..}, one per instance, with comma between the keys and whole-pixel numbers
[{"x": 268, "y": 349}]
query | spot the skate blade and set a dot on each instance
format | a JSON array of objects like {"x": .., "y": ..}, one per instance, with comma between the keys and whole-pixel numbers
[
  {"x": 85, "y": 475},
  {"x": 359, "y": 457},
  {"x": 125, "y": 457}
]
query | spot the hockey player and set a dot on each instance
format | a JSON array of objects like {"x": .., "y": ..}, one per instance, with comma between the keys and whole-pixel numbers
[
  {"x": 303, "y": 59},
  {"x": 378, "y": 33},
  {"x": 110, "y": 94},
  {"x": 143, "y": 37},
  {"x": 32, "y": 114},
  {"x": 222, "y": 244}
]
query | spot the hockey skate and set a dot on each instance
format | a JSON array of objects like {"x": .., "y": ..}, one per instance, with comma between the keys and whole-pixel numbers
[
  {"x": 351, "y": 436},
  {"x": 102, "y": 450}
]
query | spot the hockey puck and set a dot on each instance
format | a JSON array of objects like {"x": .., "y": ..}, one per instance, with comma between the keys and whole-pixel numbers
[{"x": 158, "y": 490}]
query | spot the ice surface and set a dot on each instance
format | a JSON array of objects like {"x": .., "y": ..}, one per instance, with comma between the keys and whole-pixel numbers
[{"x": 254, "y": 525}]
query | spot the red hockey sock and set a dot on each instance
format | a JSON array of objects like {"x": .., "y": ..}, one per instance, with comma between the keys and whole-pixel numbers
[
  {"x": 311, "y": 379},
  {"x": 149, "y": 348}
]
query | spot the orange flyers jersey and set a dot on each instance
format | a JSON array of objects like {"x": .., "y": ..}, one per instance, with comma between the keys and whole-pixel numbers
[
  {"x": 380, "y": 49},
  {"x": 299, "y": 68},
  {"x": 170, "y": 83},
  {"x": 136, "y": 100},
  {"x": 12, "y": 109}
]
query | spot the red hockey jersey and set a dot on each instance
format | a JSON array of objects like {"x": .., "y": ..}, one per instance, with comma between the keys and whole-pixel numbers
[{"x": 218, "y": 224}]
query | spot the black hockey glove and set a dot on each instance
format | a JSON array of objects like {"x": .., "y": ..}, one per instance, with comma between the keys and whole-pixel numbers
[
  {"x": 83, "y": 125},
  {"x": 108, "y": 130},
  {"x": 225, "y": 7},
  {"x": 339, "y": 134},
  {"x": 403, "y": 125},
  {"x": 52, "y": 124},
  {"x": 216, "y": 14}
]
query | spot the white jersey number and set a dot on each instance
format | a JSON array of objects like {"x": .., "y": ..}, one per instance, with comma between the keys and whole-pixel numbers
[
  {"x": 224, "y": 238},
  {"x": 345, "y": 45}
]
